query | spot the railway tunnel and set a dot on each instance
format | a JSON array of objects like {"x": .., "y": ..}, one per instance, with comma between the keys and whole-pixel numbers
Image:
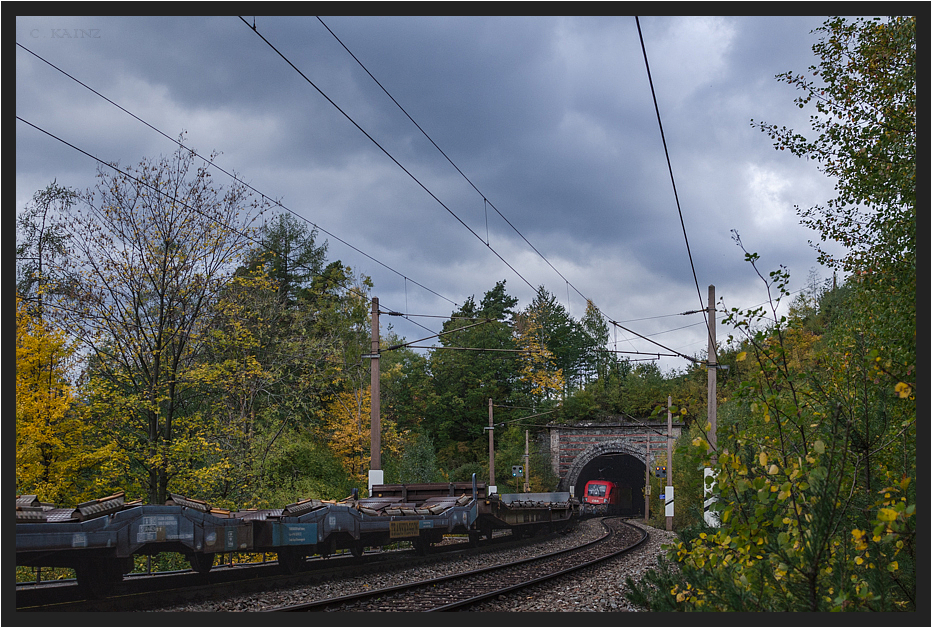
[
  {"x": 620, "y": 451},
  {"x": 625, "y": 470}
]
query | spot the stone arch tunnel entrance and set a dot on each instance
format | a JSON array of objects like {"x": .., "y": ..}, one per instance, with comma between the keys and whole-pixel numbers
[
  {"x": 624, "y": 470},
  {"x": 617, "y": 461},
  {"x": 620, "y": 451}
]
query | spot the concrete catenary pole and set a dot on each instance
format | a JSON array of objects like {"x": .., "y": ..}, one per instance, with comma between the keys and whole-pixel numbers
[
  {"x": 713, "y": 384},
  {"x": 668, "y": 492},
  {"x": 492, "y": 487},
  {"x": 375, "y": 427},
  {"x": 527, "y": 464},
  {"x": 711, "y": 517}
]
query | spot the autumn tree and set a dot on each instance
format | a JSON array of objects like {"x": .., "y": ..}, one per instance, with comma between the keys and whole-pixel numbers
[
  {"x": 347, "y": 428},
  {"x": 864, "y": 137},
  {"x": 477, "y": 362},
  {"x": 539, "y": 377},
  {"x": 816, "y": 467},
  {"x": 151, "y": 250},
  {"x": 563, "y": 336},
  {"x": 284, "y": 337},
  {"x": 53, "y": 459},
  {"x": 41, "y": 245}
]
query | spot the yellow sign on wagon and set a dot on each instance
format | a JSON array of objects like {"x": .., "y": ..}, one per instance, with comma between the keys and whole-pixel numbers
[{"x": 402, "y": 529}]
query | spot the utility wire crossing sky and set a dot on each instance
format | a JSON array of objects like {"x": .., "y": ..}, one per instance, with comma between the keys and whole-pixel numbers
[{"x": 604, "y": 158}]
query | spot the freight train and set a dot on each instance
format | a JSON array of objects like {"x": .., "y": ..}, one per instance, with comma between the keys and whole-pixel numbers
[{"x": 99, "y": 539}]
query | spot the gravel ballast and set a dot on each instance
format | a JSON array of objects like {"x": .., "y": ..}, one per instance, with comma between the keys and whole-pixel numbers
[{"x": 598, "y": 589}]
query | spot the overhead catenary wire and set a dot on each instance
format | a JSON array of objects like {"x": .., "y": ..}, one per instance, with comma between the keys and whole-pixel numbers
[
  {"x": 484, "y": 198},
  {"x": 432, "y": 195},
  {"x": 388, "y": 154},
  {"x": 437, "y": 335},
  {"x": 261, "y": 243},
  {"x": 162, "y": 193},
  {"x": 236, "y": 178},
  {"x": 672, "y": 179}
]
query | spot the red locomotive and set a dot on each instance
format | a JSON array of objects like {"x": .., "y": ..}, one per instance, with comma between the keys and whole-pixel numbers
[{"x": 601, "y": 497}]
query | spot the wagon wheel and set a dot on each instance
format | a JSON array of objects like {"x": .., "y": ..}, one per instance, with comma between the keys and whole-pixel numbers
[
  {"x": 421, "y": 546},
  {"x": 357, "y": 549},
  {"x": 202, "y": 563},
  {"x": 291, "y": 561},
  {"x": 96, "y": 575}
]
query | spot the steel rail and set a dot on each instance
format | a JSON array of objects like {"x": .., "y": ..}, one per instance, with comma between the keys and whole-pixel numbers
[
  {"x": 149, "y": 591},
  {"x": 443, "y": 586}
]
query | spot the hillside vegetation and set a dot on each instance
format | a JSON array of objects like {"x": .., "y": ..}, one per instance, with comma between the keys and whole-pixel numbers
[{"x": 174, "y": 338}]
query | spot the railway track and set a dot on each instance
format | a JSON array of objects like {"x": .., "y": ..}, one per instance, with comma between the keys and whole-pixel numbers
[
  {"x": 460, "y": 591},
  {"x": 151, "y": 592}
]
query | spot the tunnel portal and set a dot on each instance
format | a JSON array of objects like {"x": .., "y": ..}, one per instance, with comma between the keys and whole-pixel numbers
[
  {"x": 620, "y": 451},
  {"x": 624, "y": 470}
]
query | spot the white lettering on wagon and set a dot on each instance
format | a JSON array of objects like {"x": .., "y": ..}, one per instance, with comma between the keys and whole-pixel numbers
[{"x": 161, "y": 528}]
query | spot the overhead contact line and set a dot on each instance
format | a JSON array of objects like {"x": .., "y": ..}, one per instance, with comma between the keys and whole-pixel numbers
[
  {"x": 385, "y": 151},
  {"x": 232, "y": 176},
  {"x": 488, "y": 202}
]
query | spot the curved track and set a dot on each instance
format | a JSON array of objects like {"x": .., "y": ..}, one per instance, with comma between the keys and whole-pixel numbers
[
  {"x": 460, "y": 591},
  {"x": 159, "y": 590}
]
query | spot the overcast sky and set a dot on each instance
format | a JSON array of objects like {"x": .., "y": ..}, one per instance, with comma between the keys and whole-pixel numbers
[{"x": 550, "y": 118}]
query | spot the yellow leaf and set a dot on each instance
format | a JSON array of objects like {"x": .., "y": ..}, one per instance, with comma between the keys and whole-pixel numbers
[
  {"x": 886, "y": 514},
  {"x": 741, "y": 356},
  {"x": 903, "y": 390}
]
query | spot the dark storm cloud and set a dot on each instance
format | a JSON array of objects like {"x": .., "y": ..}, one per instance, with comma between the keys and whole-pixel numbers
[{"x": 550, "y": 117}]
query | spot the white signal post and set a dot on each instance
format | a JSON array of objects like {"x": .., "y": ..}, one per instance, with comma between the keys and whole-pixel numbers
[{"x": 647, "y": 463}]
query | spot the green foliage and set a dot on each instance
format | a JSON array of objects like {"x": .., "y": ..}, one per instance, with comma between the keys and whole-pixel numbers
[
  {"x": 417, "y": 462},
  {"x": 299, "y": 467},
  {"x": 816, "y": 463},
  {"x": 814, "y": 477},
  {"x": 464, "y": 381},
  {"x": 866, "y": 126},
  {"x": 407, "y": 390},
  {"x": 41, "y": 245}
]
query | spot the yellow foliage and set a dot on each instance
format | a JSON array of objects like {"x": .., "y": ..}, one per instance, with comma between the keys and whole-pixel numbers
[
  {"x": 348, "y": 423},
  {"x": 50, "y": 448},
  {"x": 537, "y": 361}
]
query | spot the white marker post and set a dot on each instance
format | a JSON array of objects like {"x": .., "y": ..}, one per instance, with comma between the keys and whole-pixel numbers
[{"x": 711, "y": 516}]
